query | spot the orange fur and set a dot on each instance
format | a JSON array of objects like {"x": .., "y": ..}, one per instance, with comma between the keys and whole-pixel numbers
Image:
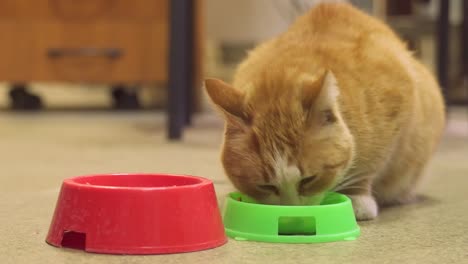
[{"x": 335, "y": 103}]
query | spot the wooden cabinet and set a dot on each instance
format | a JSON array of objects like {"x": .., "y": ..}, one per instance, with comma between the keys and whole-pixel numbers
[{"x": 115, "y": 41}]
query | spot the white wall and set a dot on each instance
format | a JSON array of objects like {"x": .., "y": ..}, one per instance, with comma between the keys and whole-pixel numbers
[{"x": 248, "y": 21}]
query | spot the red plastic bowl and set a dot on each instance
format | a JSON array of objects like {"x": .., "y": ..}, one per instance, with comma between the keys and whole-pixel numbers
[{"x": 137, "y": 214}]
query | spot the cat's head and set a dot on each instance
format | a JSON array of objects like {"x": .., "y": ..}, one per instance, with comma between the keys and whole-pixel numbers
[{"x": 285, "y": 139}]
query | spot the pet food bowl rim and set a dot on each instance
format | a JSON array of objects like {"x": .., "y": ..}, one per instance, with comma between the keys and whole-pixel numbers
[
  {"x": 344, "y": 202},
  {"x": 72, "y": 182}
]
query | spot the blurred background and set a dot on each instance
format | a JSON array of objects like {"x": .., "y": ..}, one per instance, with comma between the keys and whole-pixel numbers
[{"x": 108, "y": 55}]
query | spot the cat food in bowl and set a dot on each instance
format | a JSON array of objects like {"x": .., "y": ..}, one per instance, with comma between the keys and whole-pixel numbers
[
  {"x": 333, "y": 220},
  {"x": 137, "y": 214}
]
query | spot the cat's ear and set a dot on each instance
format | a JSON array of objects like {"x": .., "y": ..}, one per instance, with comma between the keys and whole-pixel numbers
[
  {"x": 321, "y": 96},
  {"x": 329, "y": 92},
  {"x": 228, "y": 99},
  {"x": 320, "y": 91},
  {"x": 310, "y": 88}
]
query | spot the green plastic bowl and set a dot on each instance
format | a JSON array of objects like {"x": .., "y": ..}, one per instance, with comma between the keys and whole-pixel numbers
[{"x": 333, "y": 220}]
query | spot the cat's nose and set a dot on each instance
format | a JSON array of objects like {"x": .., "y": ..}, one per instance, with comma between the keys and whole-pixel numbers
[
  {"x": 290, "y": 200},
  {"x": 286, "y": 194},
  {"x": 289, "y": 195}
]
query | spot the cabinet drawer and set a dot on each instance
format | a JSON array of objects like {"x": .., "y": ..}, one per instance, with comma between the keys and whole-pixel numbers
[
  {"x": 84, "y": 10},
  {"x": 16, "y": 51},
  {"x": 103, "y": 52}
]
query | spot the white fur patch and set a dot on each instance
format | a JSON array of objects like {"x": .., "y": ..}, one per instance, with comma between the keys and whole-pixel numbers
[
  {"x": 287, "y": 177},
  {"x": 284, "y": 171},
  {"x": 329, "y": 92},
  {"x": 365, "y": 207}
]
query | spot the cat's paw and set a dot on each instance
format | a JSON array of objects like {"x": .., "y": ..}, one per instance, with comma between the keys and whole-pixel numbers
[{"x": 365, "y": 207}]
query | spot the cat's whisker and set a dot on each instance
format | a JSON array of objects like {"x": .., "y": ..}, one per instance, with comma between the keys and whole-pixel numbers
[
  {"x": 355, "y": 187},
  {"x": 345, "y": 179},
  {"x": 348, "y": 182},
  {"x": 346, "y": 186}
]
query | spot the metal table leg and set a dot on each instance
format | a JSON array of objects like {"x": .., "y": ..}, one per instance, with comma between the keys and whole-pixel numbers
[
  {"x": 465, "y": 44},
  {"x": 180, "y": 66},
  {"x": 442, "y": 47},
  {"x": 190, "y": 62}
]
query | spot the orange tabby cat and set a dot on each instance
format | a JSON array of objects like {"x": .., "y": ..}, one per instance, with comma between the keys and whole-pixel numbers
[{"x": 335, "y": 103}]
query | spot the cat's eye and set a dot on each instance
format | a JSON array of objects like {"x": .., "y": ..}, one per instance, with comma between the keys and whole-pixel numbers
[
  {"x": 306, "y": 181},
  {"x": 268, "y": 188}
]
